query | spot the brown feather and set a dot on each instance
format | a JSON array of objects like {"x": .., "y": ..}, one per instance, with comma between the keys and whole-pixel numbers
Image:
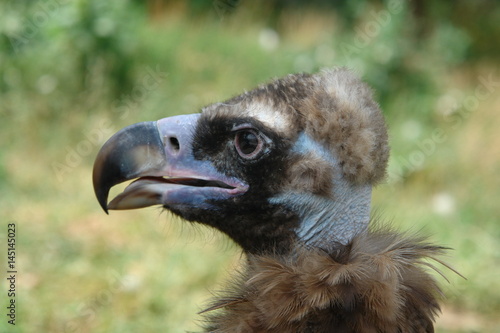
[
  {"x": 333, "y": 106},
  {"x": 376, "y": 283}
]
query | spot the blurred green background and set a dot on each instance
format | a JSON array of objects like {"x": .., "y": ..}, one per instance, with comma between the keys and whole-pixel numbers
[{"x": 74, "y": 72}]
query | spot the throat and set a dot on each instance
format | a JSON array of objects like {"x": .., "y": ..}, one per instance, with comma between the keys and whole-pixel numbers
[{"x": 325, "y": 221}]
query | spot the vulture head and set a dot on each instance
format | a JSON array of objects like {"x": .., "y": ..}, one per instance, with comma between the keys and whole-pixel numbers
[
  {"x": 292, "y": 161},
  {"x": 286, "y": 170}
]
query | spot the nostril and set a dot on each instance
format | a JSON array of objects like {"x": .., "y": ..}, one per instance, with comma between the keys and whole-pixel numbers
[{"x": 174, "y": 143}]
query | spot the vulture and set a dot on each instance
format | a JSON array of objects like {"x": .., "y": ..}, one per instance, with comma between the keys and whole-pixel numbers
[{"x": 286, "y": 171}]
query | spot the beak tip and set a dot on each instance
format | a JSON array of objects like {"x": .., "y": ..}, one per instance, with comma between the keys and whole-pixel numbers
[
  {"x": 104, "y": 206},
  {"x": 101, "y": 193}
]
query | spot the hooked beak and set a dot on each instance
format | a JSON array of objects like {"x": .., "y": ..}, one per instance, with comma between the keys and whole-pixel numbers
[{"x": 159, "y": 154}]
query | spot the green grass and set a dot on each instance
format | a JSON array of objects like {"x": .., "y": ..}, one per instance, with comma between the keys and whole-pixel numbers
[{"x": 83, "y": 271}]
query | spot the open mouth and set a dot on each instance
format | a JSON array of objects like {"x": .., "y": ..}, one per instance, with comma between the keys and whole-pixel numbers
[
  {"x": 149, "y": 190},
  {"x": 188, "y": 182}
]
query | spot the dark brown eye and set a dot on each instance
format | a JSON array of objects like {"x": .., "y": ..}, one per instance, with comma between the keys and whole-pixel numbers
[{"x": 248, "y": 143}]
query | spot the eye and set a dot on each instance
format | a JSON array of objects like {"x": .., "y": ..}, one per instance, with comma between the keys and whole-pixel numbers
[{"x": 248, "y": 143}]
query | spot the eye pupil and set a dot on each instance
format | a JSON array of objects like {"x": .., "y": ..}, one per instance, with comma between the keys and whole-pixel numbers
[{"x": 248, "y": 143}]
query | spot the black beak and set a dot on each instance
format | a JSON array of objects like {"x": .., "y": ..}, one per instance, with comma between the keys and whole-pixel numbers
[
  {"x": 160, "y": 155},
  {"x": 130, "y": 153}
]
